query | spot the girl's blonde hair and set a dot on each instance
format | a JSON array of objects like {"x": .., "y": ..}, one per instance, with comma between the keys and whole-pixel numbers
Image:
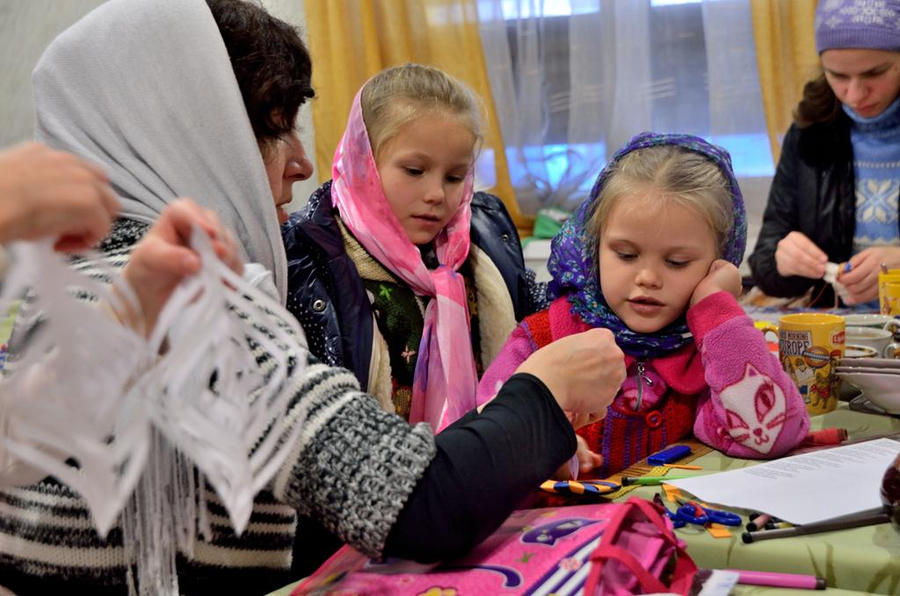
[
  {"x": 675, "y": 174},
  {"x": 396, "y": 96}
]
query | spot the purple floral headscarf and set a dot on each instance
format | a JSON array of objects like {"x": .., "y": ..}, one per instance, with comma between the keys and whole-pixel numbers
[{"x": 572, "y": 256}]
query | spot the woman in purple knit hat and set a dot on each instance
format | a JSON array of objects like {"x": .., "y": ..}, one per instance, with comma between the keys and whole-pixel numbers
[{"x": 835, "y": 193}]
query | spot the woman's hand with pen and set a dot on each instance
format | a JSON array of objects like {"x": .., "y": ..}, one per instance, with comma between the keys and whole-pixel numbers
[{"x": 861, "y": 280}]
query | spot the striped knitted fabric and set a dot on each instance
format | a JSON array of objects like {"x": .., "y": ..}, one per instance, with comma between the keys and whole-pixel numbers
[
  {"x": 624, "y": 437},
  {"x": 336, "y": 473}
]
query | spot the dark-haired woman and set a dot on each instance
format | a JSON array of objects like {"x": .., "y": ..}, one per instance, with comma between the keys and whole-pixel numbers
[
  {"x": 835, "y": 192},
  {"x": 165, "y": 95}
]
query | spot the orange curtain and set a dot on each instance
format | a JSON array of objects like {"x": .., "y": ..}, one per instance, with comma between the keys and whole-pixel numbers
[
  {"x": 786, "y": 56},
  {"x": 351, "y": 40}
]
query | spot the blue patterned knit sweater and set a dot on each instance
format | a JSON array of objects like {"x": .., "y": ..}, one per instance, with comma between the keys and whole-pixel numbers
[{"x": 876, "y": 164}]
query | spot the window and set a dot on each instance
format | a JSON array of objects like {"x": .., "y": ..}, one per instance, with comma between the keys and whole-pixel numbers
[{"x": 663, "y": 82}]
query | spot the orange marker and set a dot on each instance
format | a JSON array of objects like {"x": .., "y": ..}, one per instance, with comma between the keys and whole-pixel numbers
[
  {"x": 672, "y": 492},
  {"x": 683, "y": 466}
]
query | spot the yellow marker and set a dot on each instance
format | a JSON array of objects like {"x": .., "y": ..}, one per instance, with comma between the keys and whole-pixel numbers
[{"x": 683, "y": 466}]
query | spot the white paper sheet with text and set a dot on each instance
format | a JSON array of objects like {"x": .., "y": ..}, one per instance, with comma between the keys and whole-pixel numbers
[{"x": 804, "y": 488}]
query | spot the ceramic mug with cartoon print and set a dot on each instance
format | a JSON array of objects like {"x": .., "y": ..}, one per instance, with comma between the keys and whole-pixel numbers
[
  {"x": 889, "y": 294},
  {"x": 808, "y": 345},
  {"x": 885, "y": 307},
  {"x": 878, "y": 339}
]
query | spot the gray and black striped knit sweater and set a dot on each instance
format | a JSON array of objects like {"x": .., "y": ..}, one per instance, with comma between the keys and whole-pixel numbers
[{"x": 353, "y": 468}]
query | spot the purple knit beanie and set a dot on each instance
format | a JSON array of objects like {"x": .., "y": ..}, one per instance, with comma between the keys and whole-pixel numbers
[{"x": 870, "y": 24}]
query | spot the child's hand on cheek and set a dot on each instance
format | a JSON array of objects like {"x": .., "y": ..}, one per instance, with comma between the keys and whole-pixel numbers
[{"x": 722, "y": 277}]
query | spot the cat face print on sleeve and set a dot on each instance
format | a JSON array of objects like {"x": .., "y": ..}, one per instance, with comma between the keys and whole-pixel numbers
[{"x": 755, "y": 407}]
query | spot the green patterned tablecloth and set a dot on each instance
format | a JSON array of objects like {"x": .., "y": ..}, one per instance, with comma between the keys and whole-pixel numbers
[{"x": 861, "y": 559}]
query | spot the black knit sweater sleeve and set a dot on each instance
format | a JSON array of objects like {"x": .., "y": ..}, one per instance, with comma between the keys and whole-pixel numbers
[
  {"x": 780, "y": 218},
  {"x": 485, "y": 465}
]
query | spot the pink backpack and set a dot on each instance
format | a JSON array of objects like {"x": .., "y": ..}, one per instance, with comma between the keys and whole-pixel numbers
[{"x": 606, "y": 548}]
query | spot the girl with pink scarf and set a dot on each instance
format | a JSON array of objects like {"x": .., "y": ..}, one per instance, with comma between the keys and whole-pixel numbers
[{"x": 400, "y": 238}]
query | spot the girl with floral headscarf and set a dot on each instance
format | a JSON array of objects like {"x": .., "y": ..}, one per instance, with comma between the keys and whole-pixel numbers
[{"x": 652, "y": 255}]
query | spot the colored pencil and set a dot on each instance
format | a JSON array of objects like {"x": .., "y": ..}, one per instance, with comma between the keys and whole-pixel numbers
[
  {"x": 867, "y": 518},
  {"x": 759, "y": 522},
  {"x": 780, "y": 580},
  {"x": 649, "y": 480}
]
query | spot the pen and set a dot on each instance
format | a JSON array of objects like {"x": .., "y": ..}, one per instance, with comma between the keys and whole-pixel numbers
[
  {"x": 868, "y": 518},
  {"x": 648, "y": 480},
  {"x": 779, "y": 580}
]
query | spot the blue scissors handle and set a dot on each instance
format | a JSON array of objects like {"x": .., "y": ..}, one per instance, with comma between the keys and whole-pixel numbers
[
  {"x": 677, "y": 522},
  {"x": 697, "y": 514}
]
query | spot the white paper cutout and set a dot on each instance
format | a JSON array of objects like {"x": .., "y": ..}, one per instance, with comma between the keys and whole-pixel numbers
[
  {"x": 87, "y": 387},
  {"x": 832, "y": 273},
  {"x": 65, "y": 394}
]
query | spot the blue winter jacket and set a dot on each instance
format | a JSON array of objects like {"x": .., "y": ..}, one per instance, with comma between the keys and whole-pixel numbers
[{"x": 326, "y": 293}]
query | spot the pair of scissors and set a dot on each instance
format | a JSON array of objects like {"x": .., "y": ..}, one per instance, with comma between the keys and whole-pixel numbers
[{"x": 692, "y": 512}]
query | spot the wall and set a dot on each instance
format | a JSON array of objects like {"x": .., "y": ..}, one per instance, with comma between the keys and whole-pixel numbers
[{"x": 27, "y": 26}]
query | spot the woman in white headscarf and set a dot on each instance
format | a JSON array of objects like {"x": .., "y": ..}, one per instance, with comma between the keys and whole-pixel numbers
[{"x": 170, "y": 98}]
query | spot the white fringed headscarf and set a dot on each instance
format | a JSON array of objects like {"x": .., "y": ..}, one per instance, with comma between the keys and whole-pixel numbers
[{"x": 145, "y": 89}]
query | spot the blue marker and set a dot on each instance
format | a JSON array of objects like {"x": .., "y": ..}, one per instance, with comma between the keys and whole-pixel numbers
[
  {"x": 667, "y": 456},
  {"x": 847, "y": 267}
]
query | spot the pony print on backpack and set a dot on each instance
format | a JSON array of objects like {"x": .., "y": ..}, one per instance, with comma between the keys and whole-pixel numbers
[{"x": 599, "y": 549}]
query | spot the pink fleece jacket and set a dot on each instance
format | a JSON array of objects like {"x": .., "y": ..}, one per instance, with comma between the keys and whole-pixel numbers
[{"x": 743, "y": 402}]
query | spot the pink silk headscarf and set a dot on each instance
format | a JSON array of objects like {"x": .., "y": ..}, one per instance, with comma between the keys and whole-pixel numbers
[{"x": 445, "y": 348}]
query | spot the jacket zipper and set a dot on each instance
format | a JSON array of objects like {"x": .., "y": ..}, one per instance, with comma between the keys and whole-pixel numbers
[{"x": 641, "y": 379}]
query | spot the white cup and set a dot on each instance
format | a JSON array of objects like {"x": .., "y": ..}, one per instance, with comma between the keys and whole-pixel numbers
[
  {"x": 874, "y": 337},
  {"x": 874, "y": 321}
]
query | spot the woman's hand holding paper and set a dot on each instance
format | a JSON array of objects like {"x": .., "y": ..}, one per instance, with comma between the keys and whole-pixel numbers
[
  {"x": 798, "y": 255},
  {"x": 164, "y": 257}
]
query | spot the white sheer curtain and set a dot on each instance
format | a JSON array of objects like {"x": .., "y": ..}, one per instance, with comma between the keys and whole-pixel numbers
[{"x": 573, "y": 80}]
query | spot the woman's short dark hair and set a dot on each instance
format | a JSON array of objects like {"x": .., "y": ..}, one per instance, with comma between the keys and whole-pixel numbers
[
  {"x": 272, "y": 66},
  {"x": 819, "y": 103}
]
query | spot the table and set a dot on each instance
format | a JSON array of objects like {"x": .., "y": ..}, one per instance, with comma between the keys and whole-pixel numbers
[{"x": 861, "y": 559}]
